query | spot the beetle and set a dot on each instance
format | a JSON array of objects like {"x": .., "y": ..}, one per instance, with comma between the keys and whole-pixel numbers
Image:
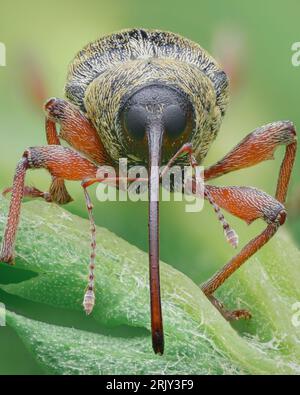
[{"x": 155, "y": 98}]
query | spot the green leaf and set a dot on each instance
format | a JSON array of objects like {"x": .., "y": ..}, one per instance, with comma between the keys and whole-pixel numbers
[{"x": 55, "y": 245}]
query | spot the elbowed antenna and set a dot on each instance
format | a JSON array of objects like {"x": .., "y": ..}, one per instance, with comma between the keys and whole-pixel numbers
[{"x": 155, "y": 134}]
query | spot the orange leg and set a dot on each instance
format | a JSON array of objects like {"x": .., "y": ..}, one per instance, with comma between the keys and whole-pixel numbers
[
  {"x": 259, "y": 146},
  {"x": 31, "y": 192},
  {"x": 61, "y": 162},
  {"x": 58, "y": 191},
  {"x": 76, "y": 130},
  {"x": 249, "y": 203}
]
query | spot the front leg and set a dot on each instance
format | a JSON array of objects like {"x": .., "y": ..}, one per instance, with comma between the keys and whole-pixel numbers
[
  {"x": 57, "y": 191},
  {"x": 61, "y": 162},
  {"x": 77, "y": 131},
  {"x": 259, "y": 146}
]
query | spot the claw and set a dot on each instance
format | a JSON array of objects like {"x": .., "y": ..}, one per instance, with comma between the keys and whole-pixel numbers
[
  {"x": 238, "y": 314},
  {"x": 6, "y": 258},
  {"x": 229, "y": 315}
]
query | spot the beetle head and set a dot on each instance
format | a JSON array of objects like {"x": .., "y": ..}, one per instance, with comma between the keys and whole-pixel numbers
[
  {"x": 126, "y": 99},
  {"x": 159, "y": 115}
]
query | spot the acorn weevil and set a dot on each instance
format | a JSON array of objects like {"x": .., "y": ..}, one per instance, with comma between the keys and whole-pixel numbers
[{"x": 155, "y": 98}]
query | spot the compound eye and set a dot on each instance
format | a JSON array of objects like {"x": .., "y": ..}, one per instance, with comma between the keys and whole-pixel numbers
[
  {"x": 135, "y": 122},
  {"x": 174, "y": 119}
]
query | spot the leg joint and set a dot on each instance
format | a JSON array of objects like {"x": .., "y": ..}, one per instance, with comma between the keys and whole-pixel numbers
[
  {"x": 277, "y": 217},
  {"x": 281, "y": 217},
  {"x": 34, "y": 157},
  {"x": 55, "y": 109},
  {"x": 287, "y": 133}
]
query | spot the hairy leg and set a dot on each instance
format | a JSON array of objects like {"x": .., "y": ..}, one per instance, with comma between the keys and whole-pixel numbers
[
  {"x": 61, "y": 162},
  {"x": 77, "y": 131},
  {"x": 259, "y": 146},
  {"x": 57, "y": 191},
  {"x": 245, "y": 202},
  {"x": 249, "y": 203},
  {"x": 31, "y": 192}
]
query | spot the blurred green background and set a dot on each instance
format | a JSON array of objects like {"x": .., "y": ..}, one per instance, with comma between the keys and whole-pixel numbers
[{"x": 251, "y": 39}]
